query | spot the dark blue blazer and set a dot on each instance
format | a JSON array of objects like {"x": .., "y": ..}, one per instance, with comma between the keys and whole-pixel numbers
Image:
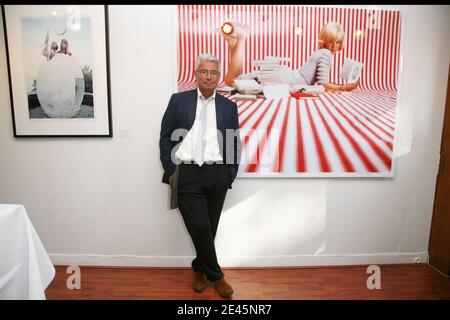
[{"x": 180, "y": 113}]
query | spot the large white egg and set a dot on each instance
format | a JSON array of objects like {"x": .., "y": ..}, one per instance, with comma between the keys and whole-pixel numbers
[{"x": 60, "y": 86}]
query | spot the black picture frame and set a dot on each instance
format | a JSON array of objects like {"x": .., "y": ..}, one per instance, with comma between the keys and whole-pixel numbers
[{"x": 109, "y": 132}]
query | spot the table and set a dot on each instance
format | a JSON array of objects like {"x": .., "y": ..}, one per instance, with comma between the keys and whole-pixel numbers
[{"x": 25, "y": 267}]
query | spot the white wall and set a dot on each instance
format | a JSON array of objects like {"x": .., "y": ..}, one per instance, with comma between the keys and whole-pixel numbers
[{"x": 100, "y": 200}]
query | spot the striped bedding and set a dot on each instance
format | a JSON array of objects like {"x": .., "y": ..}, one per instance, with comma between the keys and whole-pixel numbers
[{"x": 345, "y": 134}]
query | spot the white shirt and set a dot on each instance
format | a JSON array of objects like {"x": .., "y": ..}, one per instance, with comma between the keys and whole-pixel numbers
[
  {"x": 315, "y": 69},
  {"x": 186, "y": 150}
]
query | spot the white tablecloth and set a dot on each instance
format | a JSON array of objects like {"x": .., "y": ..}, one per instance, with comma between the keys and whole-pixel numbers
[{"x": 25, "y": 267}]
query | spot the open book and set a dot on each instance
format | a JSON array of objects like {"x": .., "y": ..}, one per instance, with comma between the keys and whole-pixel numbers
[{"x": 351, "y": 70}]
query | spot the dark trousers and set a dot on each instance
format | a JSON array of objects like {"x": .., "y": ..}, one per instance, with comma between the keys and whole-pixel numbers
[{"x": 201, "y": 195}]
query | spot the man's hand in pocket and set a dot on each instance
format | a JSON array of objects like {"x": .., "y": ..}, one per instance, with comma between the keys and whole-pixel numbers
[{"x": 171, "y": 178}]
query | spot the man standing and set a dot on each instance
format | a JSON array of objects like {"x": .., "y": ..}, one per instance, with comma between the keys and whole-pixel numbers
[{"x": 203, "y": 165}]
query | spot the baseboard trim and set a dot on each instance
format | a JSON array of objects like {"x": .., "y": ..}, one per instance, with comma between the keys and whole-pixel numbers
[{"x": 241, "y": 261}]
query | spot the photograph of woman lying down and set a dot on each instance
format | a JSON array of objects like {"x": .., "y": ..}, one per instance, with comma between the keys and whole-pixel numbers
[
  {"x": 316, "y": 69},
  {"x": 315, "y": 87}
]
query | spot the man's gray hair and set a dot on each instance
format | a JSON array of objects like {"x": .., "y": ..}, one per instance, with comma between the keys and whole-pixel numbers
[{"x": 206, "y": 57}]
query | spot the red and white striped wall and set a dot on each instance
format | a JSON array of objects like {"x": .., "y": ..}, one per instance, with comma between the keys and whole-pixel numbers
[{"x": 372, "y": 37}]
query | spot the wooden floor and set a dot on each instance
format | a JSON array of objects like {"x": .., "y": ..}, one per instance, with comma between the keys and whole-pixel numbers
[{"x": 412, "y": 281}]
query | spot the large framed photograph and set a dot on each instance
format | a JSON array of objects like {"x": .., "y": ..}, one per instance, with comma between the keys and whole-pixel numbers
[
  {"x": 58, "y": 68},
  {"x": 316, "y": 86}
]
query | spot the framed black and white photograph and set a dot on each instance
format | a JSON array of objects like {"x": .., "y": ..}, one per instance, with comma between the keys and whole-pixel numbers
[{"x": 58, "y": 68}]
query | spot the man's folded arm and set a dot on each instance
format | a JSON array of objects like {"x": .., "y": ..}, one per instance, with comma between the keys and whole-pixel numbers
[
  {"x": 165, "y": 143},
  {"x": 236, "y": 142}
]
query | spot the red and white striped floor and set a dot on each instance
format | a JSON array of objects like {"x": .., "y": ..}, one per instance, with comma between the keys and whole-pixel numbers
[{"x": 338, "y": 134}]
